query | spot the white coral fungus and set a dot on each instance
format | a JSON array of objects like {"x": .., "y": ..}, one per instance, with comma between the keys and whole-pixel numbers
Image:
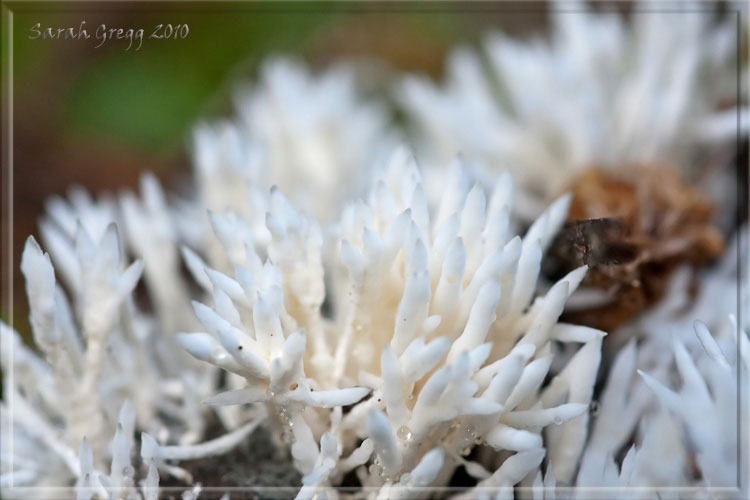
[
  {"x": 597, "y": 92},
  {"x": 441, "y": 337},
  {"x": 383, "y": 325}
]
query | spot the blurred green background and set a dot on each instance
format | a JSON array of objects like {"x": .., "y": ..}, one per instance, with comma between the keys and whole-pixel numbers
[{"x": 98, "y": 117}]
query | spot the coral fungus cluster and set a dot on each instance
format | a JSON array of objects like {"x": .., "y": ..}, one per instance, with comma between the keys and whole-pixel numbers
[{"x": 383, "y": 316}]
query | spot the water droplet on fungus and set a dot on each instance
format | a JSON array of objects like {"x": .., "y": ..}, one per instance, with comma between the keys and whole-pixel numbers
[{"x": 404, "y": 433}]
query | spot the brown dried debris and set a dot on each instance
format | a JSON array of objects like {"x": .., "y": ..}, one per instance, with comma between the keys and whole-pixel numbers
[{"x": 632, "y": 227}]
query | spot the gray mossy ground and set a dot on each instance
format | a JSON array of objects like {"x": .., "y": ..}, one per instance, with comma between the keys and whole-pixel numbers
[{"x": 256, "y": 466}]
